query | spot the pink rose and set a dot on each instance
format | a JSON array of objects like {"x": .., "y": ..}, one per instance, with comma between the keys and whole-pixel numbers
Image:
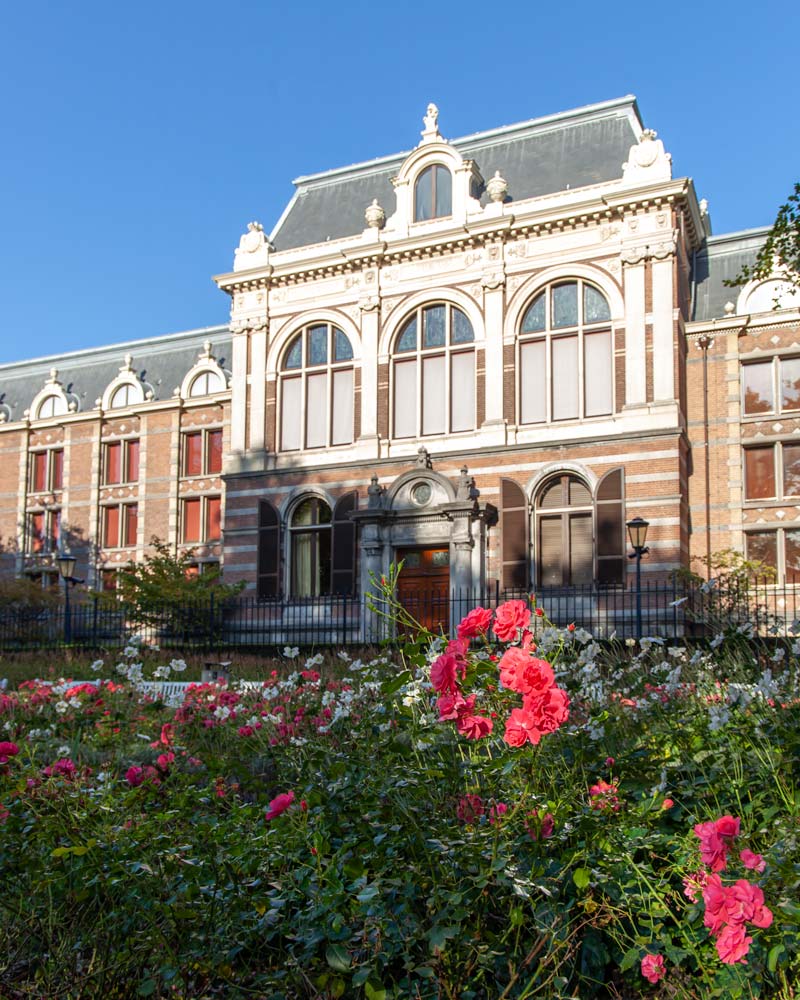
[
  {"x": 474, "y": 727},
  {"x": 134, "y": 776},
  {"x": 653, "y": 968},
  {"x": 475, "y": 623},
  {"x": 521, "y": 728},
  {"x": 746, "y": 903},
  {"x": 7, "y": 750},
  {"x": 716, "y": 897},
  {"x": 549, "y": 711},
  {"x": 536, "y": 827},
  {"x": 523, "y": 673},
  {"x": 727, "y": 826},
  {"x": 753, "y": 861},
  {"x": 470, "y": 808},
  {"x": 278, "y": 805},
  {"x": 713, "y": 849},
  {"x": 452, "y": 705},
  {"x": 509, "y": 617},
  {"x": 733, "y": 944},
  {"x": 497, "y": 811},
  {"x": 443, "y": 673}
]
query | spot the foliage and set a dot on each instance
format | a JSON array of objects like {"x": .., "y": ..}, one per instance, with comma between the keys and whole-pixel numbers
[
  {"x": 781, "y": 250},
  {"x": 731, "y": 569},
  {"x": 313, "y": 838},
  {"x": 25, "y": 594}
]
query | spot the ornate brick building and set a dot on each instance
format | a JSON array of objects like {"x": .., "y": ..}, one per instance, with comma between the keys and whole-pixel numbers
[{"x": 482, "y": 356}]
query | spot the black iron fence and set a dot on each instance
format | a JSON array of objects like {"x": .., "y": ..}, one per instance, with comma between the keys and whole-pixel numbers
[{"x": 669, "y": 609}]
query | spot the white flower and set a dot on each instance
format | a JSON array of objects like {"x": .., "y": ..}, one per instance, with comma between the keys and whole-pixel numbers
[
  {"x": 64, "y": 750},
  {"x": 62, "y": 707},
  {"x": 178, "y": 665},
  {"x": 718, "y": 716},
  {"x": 343, "y": 655},
  {"x": 290, "y": 652},
  {"x": 778, "y": 655},
  {"x": 717, "y": 641},
  {"x": 97, "y": 665},
  {"x": 596, "y": 731}
]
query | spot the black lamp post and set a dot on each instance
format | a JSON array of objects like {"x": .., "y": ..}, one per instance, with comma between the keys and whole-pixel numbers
[
  {"x": 66, "y": 567},
  {"x": 637, "y": 532}
]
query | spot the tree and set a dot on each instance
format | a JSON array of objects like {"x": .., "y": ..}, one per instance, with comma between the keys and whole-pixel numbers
[{"x": 781, "y": 252}]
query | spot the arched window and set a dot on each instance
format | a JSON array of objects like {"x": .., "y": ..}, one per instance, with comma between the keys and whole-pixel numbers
[
  {"x": 433, "y": 369},
  {"x": 433, "y": 194},
  {"x": 564, "y": 547},
  {"x": 310, "y": 548},
  {"x": 207, "y": 383},
  {"x": 316, "y": 389},
  {"x": 51, "y": 406},
  {"x": 565, "y": 361},
  {"x": 125, "y": 395}
]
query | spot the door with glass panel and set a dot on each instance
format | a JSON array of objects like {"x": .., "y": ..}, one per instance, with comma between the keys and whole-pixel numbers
[{"x": 423, "y": 586}]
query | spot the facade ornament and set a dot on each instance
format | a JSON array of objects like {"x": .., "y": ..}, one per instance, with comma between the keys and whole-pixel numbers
[
  {"x": 53, "y": 379},
  {"x": 466, "y": 489},
  {"x": 497, "y": 188},
  {"x": 647, "y": 160},
  {"x": 423, "y": 458},
  {"x": 431, "y": 122},
  {"x": 253, "y": 249},
  {"x": 128, "y": 363},
  {"x": 492, "y": 280},
  {"x": 730, "y": 309},
  {"x": 205, "y": 354},
  {"x": 375, "y": 215},
  {"x": 369, "y": 303},
  {"x": 703, "y": 204},
  {"x": 634, "y": 255},
  {"x": 376, "y": 494}
]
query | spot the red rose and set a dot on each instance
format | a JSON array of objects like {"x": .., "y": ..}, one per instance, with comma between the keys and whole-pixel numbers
[
  {"x": 523, "y": 673},
  {"x": 509, "y": 617},
  {"x": 443, "y": 673},
  {"x": 278, "y": 805},
  {"x": 475, "y": 623}
]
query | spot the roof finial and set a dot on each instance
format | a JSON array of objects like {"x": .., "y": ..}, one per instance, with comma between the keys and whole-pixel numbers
[{"x": 431, "y": 122}]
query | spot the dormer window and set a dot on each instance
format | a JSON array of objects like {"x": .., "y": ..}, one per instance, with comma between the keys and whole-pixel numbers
[
  {"x": 126, "y": 395},
  {"x": 206, "y": 383},
  {"x": 433, "y": 194},
  {"x": 52, "y": 406}
]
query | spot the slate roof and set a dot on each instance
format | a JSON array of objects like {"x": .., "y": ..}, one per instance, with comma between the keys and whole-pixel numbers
[
  {"x": 721, "y": 258},
  {"x": 538, "y": 157},
  {"x": 162, "y": 362}
]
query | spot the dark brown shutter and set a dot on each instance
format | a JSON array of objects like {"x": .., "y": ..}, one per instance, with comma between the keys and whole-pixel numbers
[
  {"x": 514, "y": 535},
  {"x": 610, "y": 529},
  {"x": 550, "y": 556},
  {"x": 580, "y": 549},
  {"x": 268, "y": 550},
  {"x": 344, "y": 545}
]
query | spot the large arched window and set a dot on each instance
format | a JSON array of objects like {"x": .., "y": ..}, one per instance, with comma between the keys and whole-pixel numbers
[
  {"x": 433, "y": 368},
  {"x": 316, "y": 389},
  {"x": 565, "y": 360},
  {"x": 564, "y": 547},
  {"x": 51, "y": 406},
  {"x": 310, "y": 548},
  {"x": 433, "y": 193},
  {"x": 125, "y": 395},
  {"x": 206, "y": 383}
]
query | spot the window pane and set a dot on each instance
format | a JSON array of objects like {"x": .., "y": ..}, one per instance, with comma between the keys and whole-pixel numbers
[
  {"x": 132, "y": 471},
  {"x": 757, "y": 382},
  {"x": 343, "y": 349},
  {"x": 302, "y": 565},
  {"x": 433, "y": 319},
  {"x": 792, "y": 554},
  {"x": 111, "y": 527},
  {"x": 790, "y": 383},
  {"x": 214, "y": 523},
  {"x": 58, "y": 469},
  {"x": 550, "y": 552},
  {"x": 39, "y": 476},
  {"x": 759, "y": 473},
  {"x": 200, "y": 385},
  {"x": 595, "y": 307},
  {"x": 791, "y": 470},
  {"x": 114, "y": 462},
  {"x": 405, "y": 399},
  {"x": 462, "y": 332},
  {"x": 47, "y": 407},
  {"x": 462, "y": 391},
  {"x": 318, "y": 345},
  {"x": 565, "y": 305},
  {"x": 131, "y": 523},
  {"x": 444, "y": 192},
  {"x": 407, "y": 341},
  {"x": 294, "y": 356},
  {"x": 597, "y": 373},
  {"x": 37, "y": 532},
  {"x": 342, "y": 430},
  {"x": 214, "y": 451},
  {"x": 433, "y": 395},
  {"x": 317, "y": 410},
  {"x": 305, "y": 513},
  {"x": 533, "y": 383},
  {"x": 763, "y": 546},
  {"x": 291, "y": 425},
  {"x": 565, "y": 378},
  {"x": 193, "y": 455},
  {"x": 191, "y": 520},
  {"x": 534, "y": 319},
  {"x": 120, "y": 397},
  {"x": 423, "y": 191}
]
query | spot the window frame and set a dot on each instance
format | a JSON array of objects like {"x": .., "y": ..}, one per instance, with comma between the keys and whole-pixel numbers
[
  {"x": 419, "y": 355},
  {"x": 315, "y": 529},
  {"x": 205, "y": 434},
  {"x": 44, "y": 542},
  {"x": 775, "y": 362},
  {"x": 780, "y": 494},
  {"x": 432, "y": 169},
  {"x": 125, "y": 446},
  {"x": 204, "y": 520},
  {"x": 580, "y": 332},
  {"x": 302, "y": 373},
  {"x": 780, "y": 552},
  {"x": 123, "y": 524},
  {"x": 564, "y": 513},
  {"x": 50, "y": 483}
]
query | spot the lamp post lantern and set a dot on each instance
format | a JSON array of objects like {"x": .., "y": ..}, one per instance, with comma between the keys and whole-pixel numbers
[
  {"x": 637, "y": 533},
  {"x": 66, "y": 567}
]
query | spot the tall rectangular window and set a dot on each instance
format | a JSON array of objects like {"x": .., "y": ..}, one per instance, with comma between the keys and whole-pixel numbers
[
  {"x": 57, "y": 469},
  {"x": 565, "y": 378},
  {"x": 291, "y": 422},
  {"x": 111, "y": 523},
  {"x": 213, "y": 519},
  {"x": 114, "y": 462},
  {"x": 758, "y": 387},
  {"x": 39, "y": 472},
  {"x": 132, "y": 462},
  {"x": 37, "y": 534},
  {"x": 120, "y": 462},
  {"x": 405, "y": 398},
  {"x": 533, "y": 384},
  {"x": 316, "y": 415},
  {"x": 433, "y": 395},
  {"x": 202, "y": 452},
  {"x": 193, "y": 454},
  {"x": 342, "y": 429},
  {"x": 791, "y": 470},
  {"x": 131, "y": 524},
  {"x": 214, "y": 452},
  {"x": 597, "y": 373},
  {"x": 759, "y": 473},
  {"x": 201, "y": 519}
]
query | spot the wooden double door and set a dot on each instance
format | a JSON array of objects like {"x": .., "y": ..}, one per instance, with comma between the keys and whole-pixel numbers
[{"x": 423, "y": 586}]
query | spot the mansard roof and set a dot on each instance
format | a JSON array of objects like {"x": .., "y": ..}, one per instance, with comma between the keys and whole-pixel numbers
[
  {"x": 160, "y": 362},
  {"x": 720, "y": 259},
  {"x": 538, "y": 157}
]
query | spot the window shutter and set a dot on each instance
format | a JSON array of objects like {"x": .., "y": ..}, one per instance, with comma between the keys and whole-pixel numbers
[
  {"x": 268, "y": 550},
  {"x": 344, "y": 545},
  {"x": 610, "y": 529},
  {"x": 514, "y": 535}
]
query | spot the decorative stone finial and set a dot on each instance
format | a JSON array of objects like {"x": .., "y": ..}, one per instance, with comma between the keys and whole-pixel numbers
[
  {"x": 497, "y": 188},
  {"x": 423, "y": 458},
  {"x": 53, "y": 376},
  {"x": 128, "y": 365},
  {"x": 205, "y": 354},
  {"x": 253, "y": 249},
  {"x": 375, "y": 215},
  {"x": 647, "y": 160},
  {"x": 730, "y": 309},
  {"x": 431, "y": 121},
  {"x": 704, "y": 206}
]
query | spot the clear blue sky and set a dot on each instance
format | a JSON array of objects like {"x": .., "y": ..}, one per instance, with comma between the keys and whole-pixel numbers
[{"x": 139, "y": 139}]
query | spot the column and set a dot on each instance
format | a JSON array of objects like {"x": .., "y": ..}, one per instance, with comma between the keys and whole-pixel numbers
[
  {"x": 370, "y": 329},
  {"x": 635, "y": 354},
  {"x": 663, "y": 330},
  {"x": 493, "y": 304},
  {"x": 258, "y": 388}
]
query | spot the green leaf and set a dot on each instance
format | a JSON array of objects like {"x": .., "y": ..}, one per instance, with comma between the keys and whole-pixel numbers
[
  {"x": 629, "y": 959},
  {"x": 581, "y": 877},
  {"x": 774, "y": 954},
  {"x": 148, "y": 988},
  {"x": 374, "y": 992},
  {"x": 439, "y": 935},
  {"x": 337, "y": 957}
]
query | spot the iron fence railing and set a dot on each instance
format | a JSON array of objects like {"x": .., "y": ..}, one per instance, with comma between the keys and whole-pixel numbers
[{"x": 669, "y": 608}]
